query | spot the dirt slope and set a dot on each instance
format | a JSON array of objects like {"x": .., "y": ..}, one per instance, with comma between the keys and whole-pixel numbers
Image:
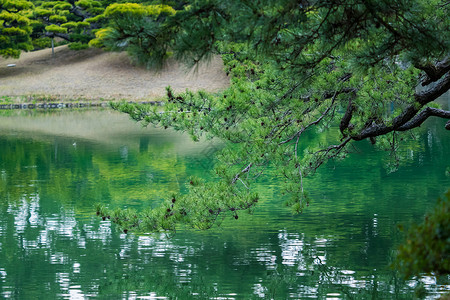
[{"x": 95, "y": 74}]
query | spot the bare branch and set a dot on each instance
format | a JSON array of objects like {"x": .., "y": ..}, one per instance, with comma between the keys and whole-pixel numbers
[
  {"x": 422, "y": 116},
  {"x": 296, "y": 146},
  {"x": 338, "y": 148},
  {"x": 301, "y": 178},
  {"x": 78, "y": 11},
  {"x": 345, "y": 121},
  {"x": 64, "y": 36},
  {"x": 435, "y": 72},
  {"x": 435, "y": 92},
  {"x": 245, "y": 170},
  {"x": 324, "y": 152},
  {"x": 243, "y": 183}
]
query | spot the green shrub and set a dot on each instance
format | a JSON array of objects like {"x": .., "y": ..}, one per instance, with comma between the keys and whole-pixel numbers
[
  {"x": 427, "y": 245},
  {"x": 41, "y": 43},
  {"x": 78, "y": 46},
  {"x": 82, "y": 38}
]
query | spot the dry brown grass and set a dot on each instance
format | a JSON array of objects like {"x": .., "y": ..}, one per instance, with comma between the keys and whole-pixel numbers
[{"x": 94, "y": 75}]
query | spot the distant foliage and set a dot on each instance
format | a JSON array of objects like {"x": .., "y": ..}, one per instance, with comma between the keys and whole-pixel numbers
[
  {"x": 138, "y": 29},
  {"x": 78, "y": 46},
  {"x": 427, "y": 246},
  {"x": 55, "y": 28},
  {"x": 68, "y": 20},
  {"x": 78, "y": 22},
  {"x": 15, "y": 28},
  {"x": 42, "y": 43}
]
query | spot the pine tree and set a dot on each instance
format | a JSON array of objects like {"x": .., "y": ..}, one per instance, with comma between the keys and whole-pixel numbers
[{"x": 346, "y": 70}]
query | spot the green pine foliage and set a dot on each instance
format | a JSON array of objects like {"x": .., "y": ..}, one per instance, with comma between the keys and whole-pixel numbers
[
  {"x": 138, "y": 29},
  {"x": 15, "y": 28},
  {"x": 55, "y": 29},
  {"x": 307, "y": 81},
  {"x": 194, "y": 209}
]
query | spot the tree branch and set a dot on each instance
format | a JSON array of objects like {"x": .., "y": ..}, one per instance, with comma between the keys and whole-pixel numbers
[
  {"x": 245, "y": 170},
  {"x": 335, "y": 147},
  {"x": 434, "y": 72},
  {"x": 432, "y": 94},
  {"x": 372, "y": 11},
  {"x": 345, "y": 121},
  {"x": 64, "y": 36},
  {"x": 422, "y": 116},
  {"x": 78, "y": 11},
  {"x": 323, "y": 153},
  {"x": 422, "y": 98}
]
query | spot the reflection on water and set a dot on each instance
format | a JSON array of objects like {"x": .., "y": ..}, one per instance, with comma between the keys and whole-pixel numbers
[{"x": 54, "y": 167}]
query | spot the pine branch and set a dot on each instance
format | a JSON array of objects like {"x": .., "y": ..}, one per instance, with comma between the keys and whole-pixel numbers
[
  {"x": 422, "y": 98},
  {"x": 245, "y": 170},
  {"x": 422, "y": 116},
  {"x": 434, "y": 72}
]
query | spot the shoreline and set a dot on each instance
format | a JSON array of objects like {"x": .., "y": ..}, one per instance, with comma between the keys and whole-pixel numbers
[{"x": 63, "y": 105}]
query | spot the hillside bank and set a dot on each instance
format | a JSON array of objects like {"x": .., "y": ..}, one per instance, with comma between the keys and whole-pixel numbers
[{"x": 95, "y": 75}]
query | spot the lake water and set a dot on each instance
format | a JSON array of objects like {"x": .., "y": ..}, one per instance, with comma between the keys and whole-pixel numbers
[{"x": 54, "y": 166}]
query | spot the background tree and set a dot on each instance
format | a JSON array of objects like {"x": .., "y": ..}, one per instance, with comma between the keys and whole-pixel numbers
[
  {"x": 15, "y": 27},
  {"x": 73, "y": 21},
  {"x": 347, "y": 69},
  {"x": 139, "y": 29}
]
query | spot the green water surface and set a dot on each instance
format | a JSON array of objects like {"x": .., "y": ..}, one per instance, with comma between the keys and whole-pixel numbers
[{"x": 54, "y": 166}]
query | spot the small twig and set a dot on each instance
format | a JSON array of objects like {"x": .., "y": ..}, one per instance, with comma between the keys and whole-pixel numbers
[
  {"x": 312, "y": 123},
  {"x": 243, "y": 183},
  {"x": 333, "y": 147},
  {"x": 301, "y": 178},
  {"x": 245, "y": 170},
  {"x": 296, "y": 146}
]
